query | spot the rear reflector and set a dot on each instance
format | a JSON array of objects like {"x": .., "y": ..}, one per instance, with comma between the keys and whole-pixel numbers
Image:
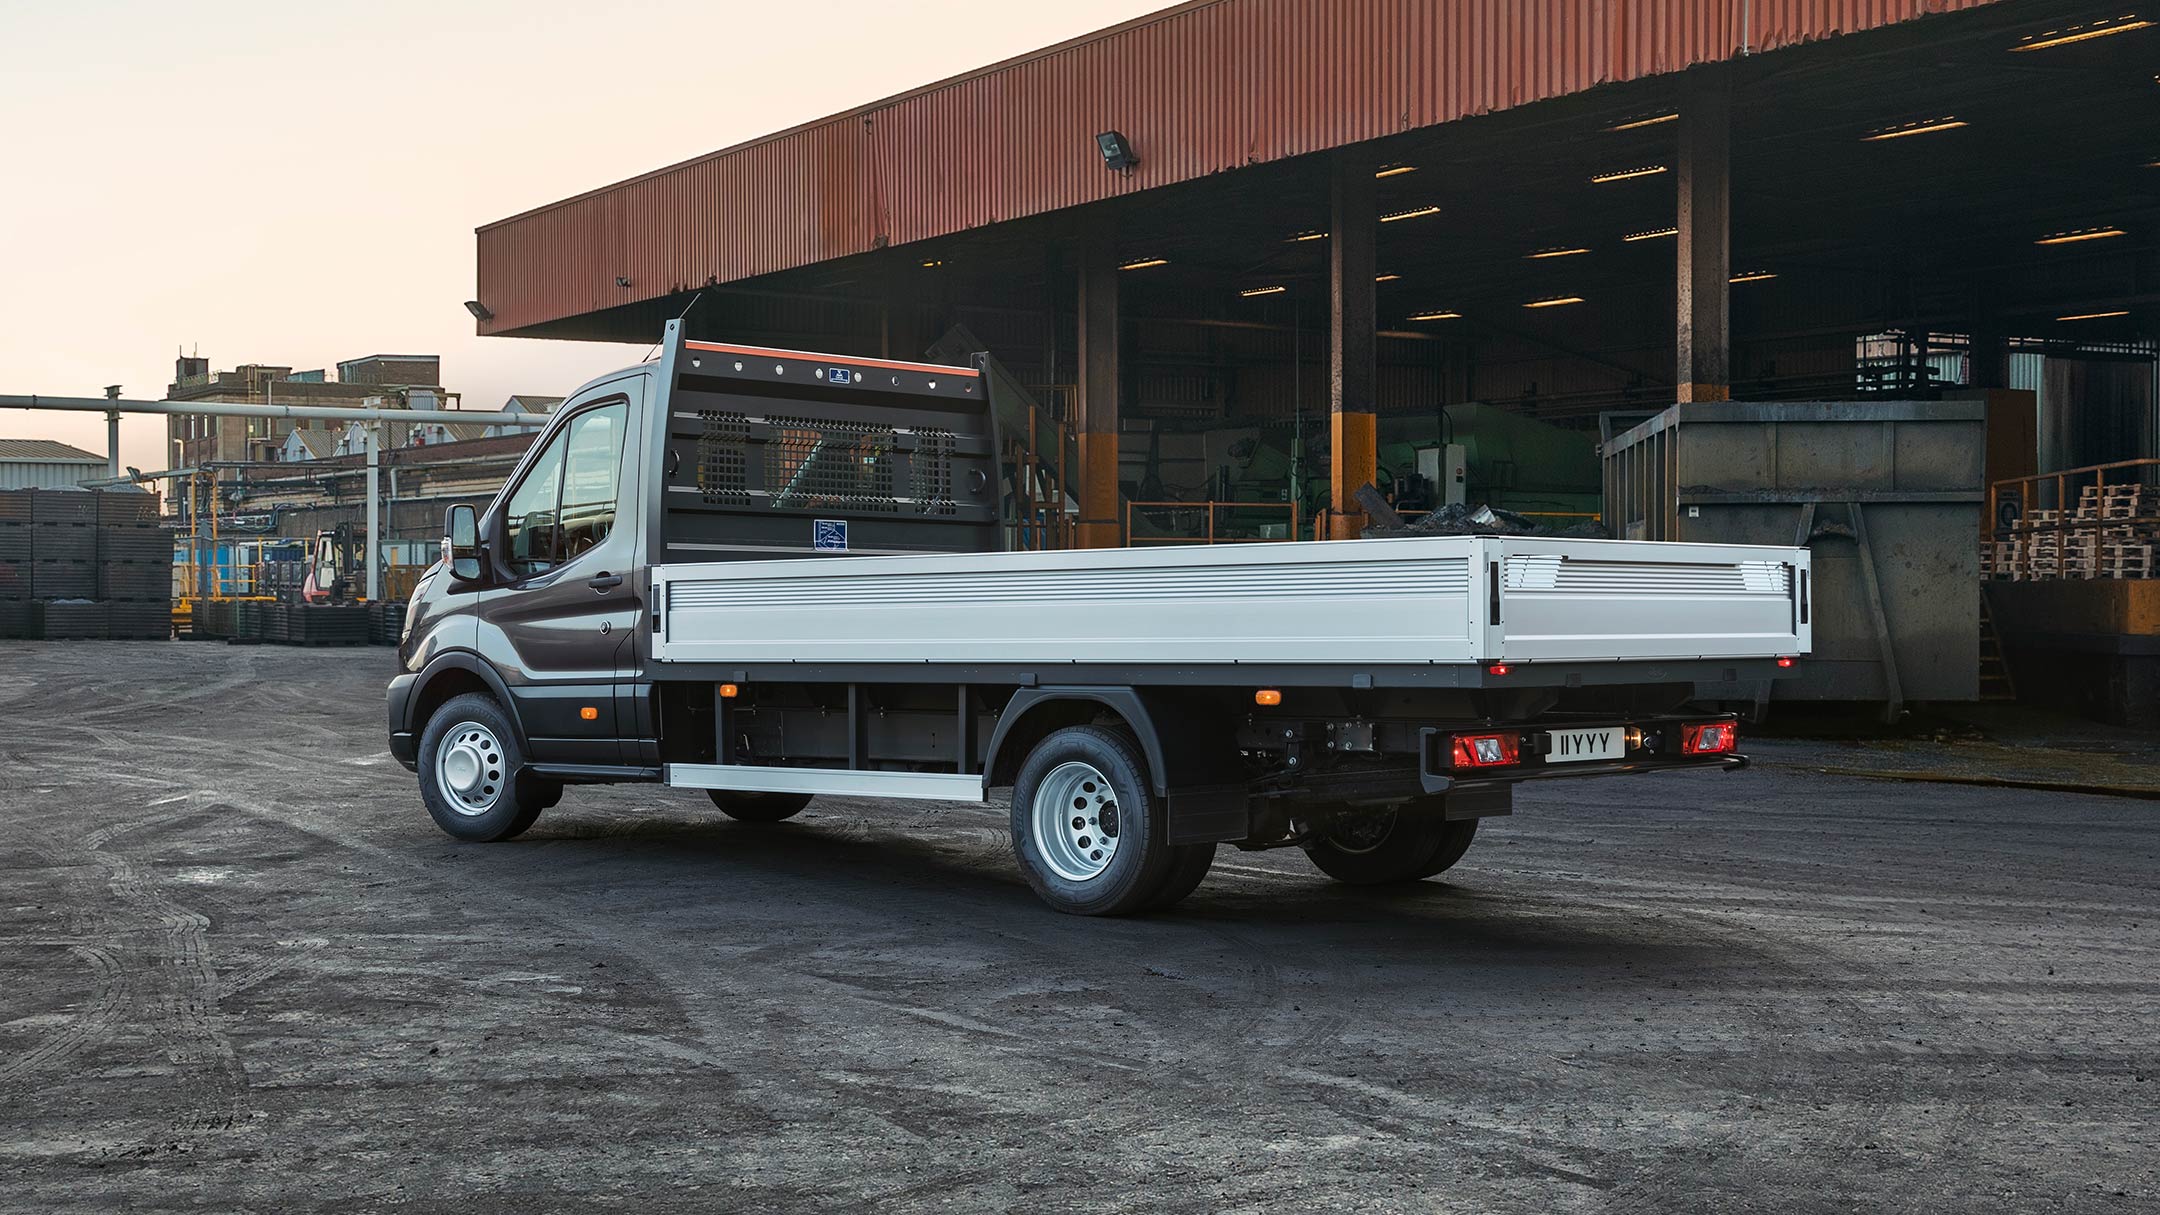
[
  {"x": 1708, "y": 738},
  {"x": 1485, "y": 750},
  {"x": 1784, "y": 663}
]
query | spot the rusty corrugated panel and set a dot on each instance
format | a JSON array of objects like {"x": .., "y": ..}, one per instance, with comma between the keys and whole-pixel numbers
[{"x": 1200, "y": 89}]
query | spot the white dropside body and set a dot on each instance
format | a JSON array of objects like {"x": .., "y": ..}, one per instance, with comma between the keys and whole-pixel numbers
[{"x": 1421, "y": 600}]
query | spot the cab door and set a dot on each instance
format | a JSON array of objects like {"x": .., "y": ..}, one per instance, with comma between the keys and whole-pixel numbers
[{"x": 564, "y": 600}]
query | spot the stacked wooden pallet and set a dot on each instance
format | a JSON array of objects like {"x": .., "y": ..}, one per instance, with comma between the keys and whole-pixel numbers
[{"x": 2110, "y": 534}]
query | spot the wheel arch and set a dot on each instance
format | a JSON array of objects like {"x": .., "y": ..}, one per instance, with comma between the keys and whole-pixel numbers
[
  {"x": 454, "y": 674},
  {"x": 1033, "y": 714}
]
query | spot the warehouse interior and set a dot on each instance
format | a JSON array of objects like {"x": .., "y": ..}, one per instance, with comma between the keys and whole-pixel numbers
[{"x": 1960, "y": 204}]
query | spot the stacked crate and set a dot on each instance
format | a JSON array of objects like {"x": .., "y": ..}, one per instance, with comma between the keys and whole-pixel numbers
[{"x": 83, "y": 564}]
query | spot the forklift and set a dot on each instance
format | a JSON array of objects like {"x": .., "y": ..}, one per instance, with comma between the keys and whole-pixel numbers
[{"x": 335, "y": 564}]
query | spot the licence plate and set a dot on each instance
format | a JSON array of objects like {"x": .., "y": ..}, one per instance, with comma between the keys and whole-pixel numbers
[{"x": 1577, "y": 746}]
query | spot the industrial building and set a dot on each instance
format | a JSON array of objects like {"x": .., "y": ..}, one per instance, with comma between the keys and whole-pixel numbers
[
  {"x": 1246, "y": 256},
  {"x": 393, "y": 381},
  {"x": 46, "y": 464}
]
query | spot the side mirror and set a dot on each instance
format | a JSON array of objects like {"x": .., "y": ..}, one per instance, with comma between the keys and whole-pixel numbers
[{"x": 461, "y": 542}]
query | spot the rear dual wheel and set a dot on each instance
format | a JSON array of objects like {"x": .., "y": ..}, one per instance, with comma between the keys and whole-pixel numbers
[
  {"x": 1396, "y": 845},
  {"x": 1089, "y": 832}
]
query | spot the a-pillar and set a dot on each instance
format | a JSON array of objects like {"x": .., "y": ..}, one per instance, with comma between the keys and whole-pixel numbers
[
  {"x": 1703, "y": 371},
  {"x": 1099, "y": 522},
  {"x": 1353, "y": 236}
]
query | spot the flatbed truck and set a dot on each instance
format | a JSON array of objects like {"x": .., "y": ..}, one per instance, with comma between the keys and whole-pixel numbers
[{"x": 777, "y": 575}]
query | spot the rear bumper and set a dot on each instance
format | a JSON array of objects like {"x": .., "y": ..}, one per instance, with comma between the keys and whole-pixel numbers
[
  {"x": 1438, "y": 775},
  {"x": 404, "y": 744}
]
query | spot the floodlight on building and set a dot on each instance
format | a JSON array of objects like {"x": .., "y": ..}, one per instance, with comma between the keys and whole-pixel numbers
[
  {"x": 480, "y": 311},
  {"x": 1117, "y": 152}
]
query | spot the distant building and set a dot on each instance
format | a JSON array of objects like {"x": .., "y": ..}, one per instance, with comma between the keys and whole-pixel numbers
[
  {"x": 308, "y": 443},
  {"x": 385, "y": 381},
  {"x": 45, "y": 464}
]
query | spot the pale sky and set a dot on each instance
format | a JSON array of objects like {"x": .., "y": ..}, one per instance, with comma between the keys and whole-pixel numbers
[{"x": 296, "y": 183}]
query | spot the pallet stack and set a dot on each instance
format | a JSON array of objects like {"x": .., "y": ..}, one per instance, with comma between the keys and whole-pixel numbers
[
  {"x": 83, "y": 564},
  {"x": 2111, "y": 534}
]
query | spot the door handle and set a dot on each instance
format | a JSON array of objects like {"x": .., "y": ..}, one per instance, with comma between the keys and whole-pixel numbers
[{"x": 604, "y": 581}]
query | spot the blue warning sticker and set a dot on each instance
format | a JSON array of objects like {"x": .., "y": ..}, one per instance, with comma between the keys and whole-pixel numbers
[{"x": 830, "y": 536}]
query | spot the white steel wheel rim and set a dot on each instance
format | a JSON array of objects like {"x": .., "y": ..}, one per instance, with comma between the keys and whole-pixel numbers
[
  {"x": 1076, "y": 821},
  {"x": 470, "y": 770}
]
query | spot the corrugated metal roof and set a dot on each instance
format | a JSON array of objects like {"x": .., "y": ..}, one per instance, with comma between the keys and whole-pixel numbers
[
  {"x": 1202, "y": 88},
  {"x": 46, "y": 451}
]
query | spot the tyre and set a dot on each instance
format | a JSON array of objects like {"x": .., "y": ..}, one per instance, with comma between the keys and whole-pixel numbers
[
  {"x": 758, "y": 807},
  {"x": 1187, "y": 871},
  {"x": 472, "y": 772},
  {"x": 1086, "y": 826},
  {"x": 1391, "y": 846}
]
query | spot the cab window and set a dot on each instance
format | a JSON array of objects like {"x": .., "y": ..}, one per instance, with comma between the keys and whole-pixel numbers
[
  {"x": 566, "y": 503},
  {"x": 591, "y": 469}
]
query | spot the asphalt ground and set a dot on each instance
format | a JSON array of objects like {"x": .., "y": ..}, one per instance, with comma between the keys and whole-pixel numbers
[{"x": 240, "y": 970}]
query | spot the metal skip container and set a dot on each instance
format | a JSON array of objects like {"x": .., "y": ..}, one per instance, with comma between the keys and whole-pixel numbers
[{"x": 1888, "y": 495}]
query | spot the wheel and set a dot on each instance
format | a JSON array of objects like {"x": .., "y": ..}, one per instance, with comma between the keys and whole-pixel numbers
[
  {"x": 1086, "y": 826},
  {"x": 472, "y": 776},
  {"x": 1390, "y": 846},
  {"x": 758, "y": 807},
  {"x": 1186, "y": 873}
]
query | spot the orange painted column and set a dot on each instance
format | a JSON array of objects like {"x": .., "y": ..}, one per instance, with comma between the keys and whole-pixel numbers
[
  {"x": 1353, "y": 258},
  {"x": 1100, "y": 524},
  {"x": 1702, "y": 370}
]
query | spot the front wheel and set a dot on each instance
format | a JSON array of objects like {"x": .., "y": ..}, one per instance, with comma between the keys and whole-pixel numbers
[
  {"x": 1086, "y": 826},
  {"x": 758, "y": 807},
  {"x": 1391, "y": 846},
  {"x": 472, "y": 772}
]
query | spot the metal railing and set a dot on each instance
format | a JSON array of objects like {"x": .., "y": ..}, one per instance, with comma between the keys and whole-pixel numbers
[{"x": 1216, "y": 522}]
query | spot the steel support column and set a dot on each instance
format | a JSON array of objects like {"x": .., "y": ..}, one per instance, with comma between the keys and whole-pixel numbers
[
  {"x": 1703, "y": 370},
  {"x": 1353, "y": 236},
  {"x": 374, "y": 511},
  {"x": 1099, "y": 524}
]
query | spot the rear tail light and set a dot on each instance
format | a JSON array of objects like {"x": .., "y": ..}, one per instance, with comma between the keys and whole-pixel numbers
[
  {"x": 1708, "y": 738},
  {"x": 1486, "y": 750}
]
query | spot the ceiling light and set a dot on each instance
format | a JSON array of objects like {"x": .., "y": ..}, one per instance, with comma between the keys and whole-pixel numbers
[
  {"x": 1555, "y": 302},
  {"x": 1305, "y": 236},
  {"x": 1653, "y": 234},
  {"x": 2081, "y": 33},
  {"x": 1626, "y": 174},
  {"x": 1545, "y": 253},
  {"x": 1145, "y": 262},
  {"x": 2094, "y": 316},
  {"x": 1386, "y": 278},
  {"x": 1636, "y": 124},
  {"x": 1751, "y": 276},
  {"x": 933, "y": 263},
  {"x": 1250, "y": 292},
  {"x": 1921, "y": 126},
  {"x": 1447, "y": 315},
  {"x": 1413, "y": 213},
  {"x": 2081, "y": 234},
  {"x": 1395, "y": 170}
]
